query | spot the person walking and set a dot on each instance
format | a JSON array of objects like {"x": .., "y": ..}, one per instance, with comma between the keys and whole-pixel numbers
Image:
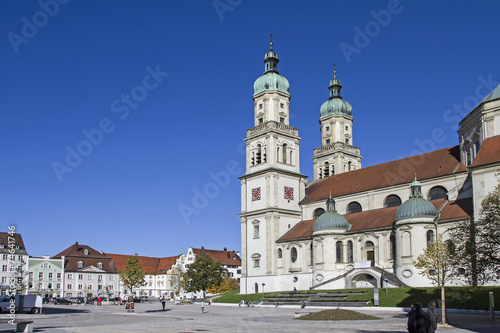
[
  {"x": 202, "y": 307},
  {"x": 417, "y": 322},
  {"x": 163, "y": 301},
  {"x": 431, "y": 317}
]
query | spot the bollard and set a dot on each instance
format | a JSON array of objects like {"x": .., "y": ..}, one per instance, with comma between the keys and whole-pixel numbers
[{"x": 492, "y": 306}]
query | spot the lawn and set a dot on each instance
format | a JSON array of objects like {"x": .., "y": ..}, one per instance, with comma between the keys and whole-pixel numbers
[{"x": 456, "y": 297}]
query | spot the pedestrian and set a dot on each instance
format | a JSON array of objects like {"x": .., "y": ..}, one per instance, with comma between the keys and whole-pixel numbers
[
  {"x": 431, "y": 317},
  {"x": 417, "y": 322},
  {"x": 202, "y": 307},
  {"x": 163, "y": 301},
  {"x": 99, "y": 300}
]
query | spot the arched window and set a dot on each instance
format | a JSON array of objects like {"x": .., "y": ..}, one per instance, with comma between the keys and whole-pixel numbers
[
  {"x": 430, "y": 237},
  {"x": 369, "y": 244},
  {"x": 284, "y": 152},
  {"x": 326, "y": 169},
  {"x": 340, "y": 252},
  {"x": 258, "y": 154},
  {"x": 350, "y": 254},
  {"x": 320, "y": 173},
  {"x": 354, "y": 207},
  {"x": 349, "y": 164},
  {"x": 318, "y": 212},
  {"x": 392, "y": 201},
  {"x": 437, "y": 192},
  {"x": 280, "y": 253},
  {"x": 451, "y": 247},
  {"x": 293, "y": 254}
]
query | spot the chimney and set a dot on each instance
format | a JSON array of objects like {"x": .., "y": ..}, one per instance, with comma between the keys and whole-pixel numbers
[
  {"x": 225, "y": 249},
  {"x": 76, "y": 246}
]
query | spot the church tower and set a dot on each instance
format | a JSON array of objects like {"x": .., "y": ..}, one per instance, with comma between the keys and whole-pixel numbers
[
  {"x": 272, "y": 185},
  {"x": 337, "y": 153}
]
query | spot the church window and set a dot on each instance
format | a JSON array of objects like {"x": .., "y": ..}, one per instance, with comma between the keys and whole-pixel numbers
[
  {"x": 320, "y": 173},
  {"x": 326, "y": 169},
  {"x": 327, "y": 141},
  {"x": 451, "y": 247},
  {"x": 350, "y": 252},
  {"x": 354, "y": 207},
  {"x": 392, "y": 201},
  {"x": 293, "y": 254},
  {"x": 437, "y": 192},
  {"x": 261, "y": 121},
  {"x": 282, "y": 105},
  {"x": 476, "y": 147},
  {"x": 282, "y": 120},
  {"x": 256, "y": 231},
  {"x": 347, "y": 141},
  {"x": 406, "y": 244},
  {"x": 280, "y": 253},
  {"x": 260, "y": 106},
  {"x": 392, "y": 248},
  {"x": 284, "y": 152},
  {"x": 318, "y": 212},
  {"x": 339, "y": 251},
  {"x": 327, "y": 128},
  {"x": 258, "y": 155},
  {"x": 430, "y": 237},
  {"x": 347, "y": 128},
  {"x": 256, "y": 260},
  {"x": 349, "y": 165}
]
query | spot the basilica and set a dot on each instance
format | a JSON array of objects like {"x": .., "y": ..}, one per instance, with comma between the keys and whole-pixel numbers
[{"x": 351, "y": 227}]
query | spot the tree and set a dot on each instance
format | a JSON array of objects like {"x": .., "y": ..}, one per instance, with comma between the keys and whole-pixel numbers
[
  {"x": 20, "y": 277},
  {"x": 436, "y": 263},
  {"x": 226, "y": 285},
  {"x": 174, "y": 279},
  {"x": 133, "y": 275},
  {"x": 477, "y": 242},
  {"x": 202, "y": 274}
]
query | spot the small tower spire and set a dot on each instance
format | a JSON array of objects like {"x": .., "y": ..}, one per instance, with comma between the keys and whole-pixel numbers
[
  {"x": 271, "y": 58},
  {"x": 335, "y": 85}
]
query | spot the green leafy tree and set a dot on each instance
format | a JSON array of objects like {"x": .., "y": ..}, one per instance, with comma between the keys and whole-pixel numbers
[
  {"x": 20, "y": 276},
  {"x": 436, "y": 264},
  {"x": 202, "y": 274},
  {"x": 133, "y": 275},
  {"x": 477, "y": 242}
]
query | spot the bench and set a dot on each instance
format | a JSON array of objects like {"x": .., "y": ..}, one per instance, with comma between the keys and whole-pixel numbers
[{"x": 21, "y": 325}]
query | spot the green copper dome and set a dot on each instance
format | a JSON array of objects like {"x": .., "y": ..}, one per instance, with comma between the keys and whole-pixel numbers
[
  {"x": 416, "y": 205},
  {"x": 271, "y": 80},
  {"x": 335, "y": 104},
  {"x": 331, "y": 220}
]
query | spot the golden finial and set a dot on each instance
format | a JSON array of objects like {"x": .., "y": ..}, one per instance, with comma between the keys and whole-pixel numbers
[
  {"x": 334, "y": 70},
  {"x": 271, "y": 42}
]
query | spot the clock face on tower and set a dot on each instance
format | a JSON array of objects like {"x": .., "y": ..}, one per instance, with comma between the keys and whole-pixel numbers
[
  {"x": 288, "y": 193},
  {"x": 256, "y": 194}
]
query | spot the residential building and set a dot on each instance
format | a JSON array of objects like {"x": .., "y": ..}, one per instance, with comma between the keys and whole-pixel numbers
[
  {"x": 350, "y": 226},
  {"x": 46, "y": 276},
  {"x": 13, "y": 263},
  {"x": 88, "y": 272}
]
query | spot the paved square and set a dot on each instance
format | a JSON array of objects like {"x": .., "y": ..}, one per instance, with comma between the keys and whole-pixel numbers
[{"x": 220, "y": 318}]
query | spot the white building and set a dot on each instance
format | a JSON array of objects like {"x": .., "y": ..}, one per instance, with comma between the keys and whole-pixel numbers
[
  {"x": 13, "y": 262},
  {"x": 369, "y": 232}
]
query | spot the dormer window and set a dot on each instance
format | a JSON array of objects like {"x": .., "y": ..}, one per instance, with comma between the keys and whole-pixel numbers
[
  {"x": 99, "y": 265},
  {"x": 79, "y": 264},
  {"x": 86, "y": 252}
]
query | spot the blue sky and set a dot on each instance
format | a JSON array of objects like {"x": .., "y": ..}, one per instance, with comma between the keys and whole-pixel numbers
[{"x": 157, "y": 95}]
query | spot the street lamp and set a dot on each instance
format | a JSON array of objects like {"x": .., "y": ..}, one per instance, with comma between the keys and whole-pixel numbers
[{"x": 263, "y": 285}]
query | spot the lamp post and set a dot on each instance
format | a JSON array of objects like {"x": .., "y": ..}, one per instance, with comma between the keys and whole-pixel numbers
[{"x": 263, "y": 285}]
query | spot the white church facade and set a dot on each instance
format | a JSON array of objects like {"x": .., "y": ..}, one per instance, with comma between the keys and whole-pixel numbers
[{"x": 350, "y": 226}]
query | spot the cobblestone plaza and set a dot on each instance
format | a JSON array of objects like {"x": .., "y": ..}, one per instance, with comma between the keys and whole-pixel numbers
[{"x": 224, "y": 318}]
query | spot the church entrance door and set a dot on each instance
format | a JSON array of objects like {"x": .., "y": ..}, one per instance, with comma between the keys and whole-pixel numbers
[{"x": 370, "y": 255}]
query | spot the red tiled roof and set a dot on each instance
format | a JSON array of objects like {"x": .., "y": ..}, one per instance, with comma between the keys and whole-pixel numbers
[
  {"x": 381, "y": 219},
  {"x": 151, "y": 265},
  {"x": 18, "y": 241},
  {"x": 229, "y": 258},
  {"x": 432, "y": 164},
  {"x": 488, "y": 153},
  {"x": 75, "y": 253}
]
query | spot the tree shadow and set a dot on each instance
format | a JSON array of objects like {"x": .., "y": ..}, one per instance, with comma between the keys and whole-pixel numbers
[{"x": 160, "y": 310}]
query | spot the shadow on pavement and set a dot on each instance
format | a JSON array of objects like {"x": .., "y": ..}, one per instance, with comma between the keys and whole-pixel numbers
[
  {"x": 149, "y": 311},
  {"x": 57, "y": 310}
]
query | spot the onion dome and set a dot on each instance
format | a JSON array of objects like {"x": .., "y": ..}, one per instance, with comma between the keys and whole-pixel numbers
[
  {"x": 331, "y": 220},
  {"x": 416, "y": 206},
  {"x": 335, "y": 104},
  {"x": 271, "y": 80}
]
